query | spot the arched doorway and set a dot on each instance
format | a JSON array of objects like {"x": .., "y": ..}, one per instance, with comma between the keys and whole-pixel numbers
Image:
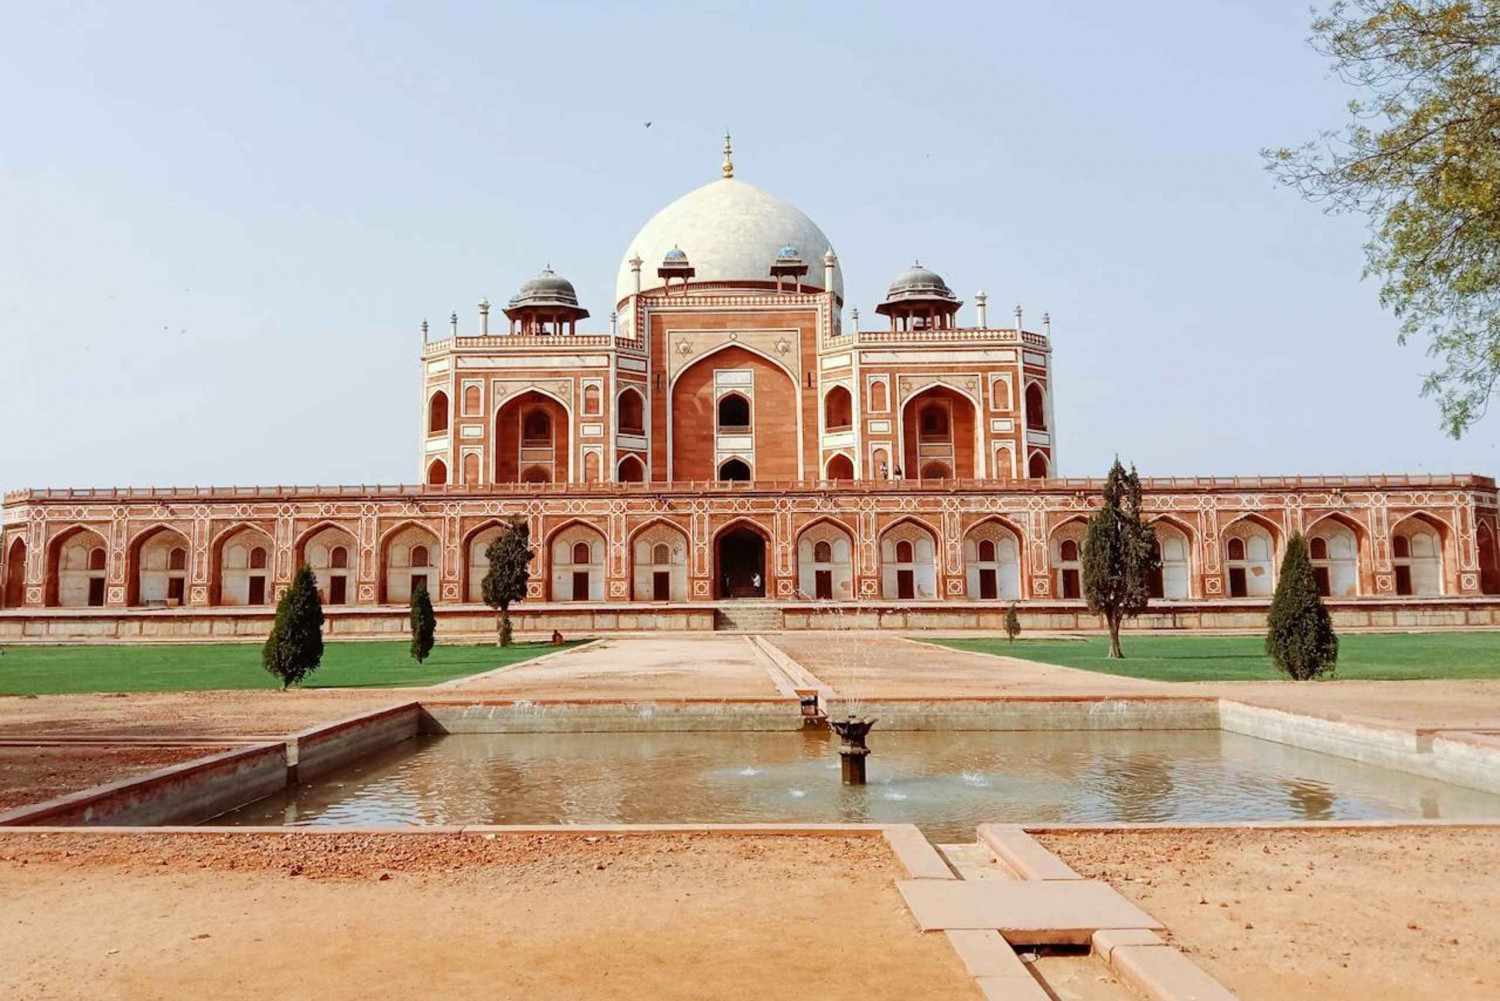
[
  {"x": 825, "y": 563},
  {"x": 1489, "y": 559},
  {"x": 76, "y": 570},
  {"x": 734, "y": 471},
  {"x": 532, "y": 440},
  {"x": 577, "y": 564},
  {"x": 241, "y": 568},
  {"x": 938, "y": 431},
  {"x": 330, "y": 553},
  {"x": 840, "y": 467},
  {"x": 908, "y": 563},
  {"x": 631, "y": 470},
  {"x": 659, "y": 557},
  {"x": 15, "y": 575},
  {"x": 740, "y": 561},
  {"x": 157, "y": 570},
  {"x": 1417, "y": 556},
  {"x": 992, "y": 562}
]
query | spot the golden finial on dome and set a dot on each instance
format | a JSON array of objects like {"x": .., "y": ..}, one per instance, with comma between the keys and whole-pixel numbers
[{"x": 728, "y": 163}]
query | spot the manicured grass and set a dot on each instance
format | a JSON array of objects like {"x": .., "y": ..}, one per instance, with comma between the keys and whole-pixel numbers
[
  {"x": 58, "y": 670},
  {"x": 1368, "y": 656}
]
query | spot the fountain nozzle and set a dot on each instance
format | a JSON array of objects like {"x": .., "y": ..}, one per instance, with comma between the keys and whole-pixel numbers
[{"x": 852, "y": 747}]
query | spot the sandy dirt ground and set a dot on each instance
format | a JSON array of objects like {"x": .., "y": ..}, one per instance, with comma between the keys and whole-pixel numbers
[
  {"x": 36, "y": 774},
  {"x": 871, "y": 666},
  {"x": 432, "y": 916},
  {"x": 648, "y": 667},
  {"x": 194, "y": 714},
  {"x": 1451, "y": 704},
  {"x": 1379, "y": 915}
]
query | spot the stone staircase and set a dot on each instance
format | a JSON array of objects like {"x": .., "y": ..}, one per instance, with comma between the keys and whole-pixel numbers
[{"x": 747, "y": 617}]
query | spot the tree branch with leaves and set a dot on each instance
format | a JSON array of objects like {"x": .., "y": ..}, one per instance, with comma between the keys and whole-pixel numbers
[{"x": 1420, "y": 156}]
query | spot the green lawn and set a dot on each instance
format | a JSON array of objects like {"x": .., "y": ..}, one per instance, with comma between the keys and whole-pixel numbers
[
  {"x": 58, "y": 670},
  {"x": 1368, "y": 656}
]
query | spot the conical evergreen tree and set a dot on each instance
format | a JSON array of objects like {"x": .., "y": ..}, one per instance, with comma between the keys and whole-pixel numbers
[
  {"x": 509, "y": 558},
  {"x": 1119, "y": 554},
  {"x": 295, "y": 647},
  {"x": 1299, "y": 631},
  {"x": 423, "y": 623},
  {"x": 1012, "y": 623}
]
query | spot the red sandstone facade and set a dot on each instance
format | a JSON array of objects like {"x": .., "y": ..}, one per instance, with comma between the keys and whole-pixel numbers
[{"x": 735, "y": 437}]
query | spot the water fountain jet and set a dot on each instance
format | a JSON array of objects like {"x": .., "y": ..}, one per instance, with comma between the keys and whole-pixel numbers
[{"x": 852, "y": 747}]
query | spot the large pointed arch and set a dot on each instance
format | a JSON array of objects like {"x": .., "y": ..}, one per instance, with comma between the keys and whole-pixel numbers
[
  {"x": 827, "y": 551},
  {"x": 563, "y": 573},
  {"x": 909, "y": 570},
  {"x": 1363, "y": 563},
  {"x": 396, "y": 583},
  {"x": 990, "y": 571},
  {"x": 472, "y": 564},
  {"x": 216, "y": 555},
  {"x": 13, "y": 563},
  {"x": 1427, "y": 575},
  {"x": 1191, "y": 562},
  {"x": 152, "y": 584},
  {"x": 646, "y": 582},
  {"x": 54, "y": 595},
  {"x": 732, "y": 577}
]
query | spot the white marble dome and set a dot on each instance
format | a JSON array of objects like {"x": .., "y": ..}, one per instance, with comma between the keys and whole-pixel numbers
[{"x": 730, "y": 231}]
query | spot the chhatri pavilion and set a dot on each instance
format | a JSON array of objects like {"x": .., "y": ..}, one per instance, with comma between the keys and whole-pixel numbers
[{"x": 738, "y": 442}]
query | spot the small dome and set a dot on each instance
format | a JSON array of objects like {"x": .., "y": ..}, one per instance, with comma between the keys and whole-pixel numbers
[
  {"x": 675, "y": 256},
  {"x": 786, "y": 252},
  {"x": 547, "y": 289},
  {"x": 918, "y": 286},
  {"x": 916, "y": 281}
]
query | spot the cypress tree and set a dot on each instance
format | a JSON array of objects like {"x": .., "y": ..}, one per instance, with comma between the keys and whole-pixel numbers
[
  {"x": 1119, "y": 555},
  {"x": 1012, "y": 623},
  {"x": 509, "y": 558},
  {"x": 1299, "y": 631},
  {"x": 423, "y": 623},
  {"x": 295, "y": 646}
]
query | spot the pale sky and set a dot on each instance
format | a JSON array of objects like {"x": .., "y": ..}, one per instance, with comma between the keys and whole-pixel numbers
[{"x": 221, "y": 225}]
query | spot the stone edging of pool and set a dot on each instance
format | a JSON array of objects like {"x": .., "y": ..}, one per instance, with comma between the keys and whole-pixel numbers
[{"x": 206, "y": 787}]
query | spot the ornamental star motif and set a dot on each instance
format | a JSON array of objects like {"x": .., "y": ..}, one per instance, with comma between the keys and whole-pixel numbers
[
  {"x": 783, "y": 346},
  {"x": 685, "y": 347}
]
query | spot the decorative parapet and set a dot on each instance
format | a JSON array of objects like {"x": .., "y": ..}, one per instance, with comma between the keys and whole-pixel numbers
[
  {"x": 936, "y": 337},
  {"x": 1074, "y": 485},
  {"x": 530, "y": 342}
]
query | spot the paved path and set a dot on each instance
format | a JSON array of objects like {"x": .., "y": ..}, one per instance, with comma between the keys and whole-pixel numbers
[
  {"x": 644, "y": 667},
  {"x": 875, "y": 665}
]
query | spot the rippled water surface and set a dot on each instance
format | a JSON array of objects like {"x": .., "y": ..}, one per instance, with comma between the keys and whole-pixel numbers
[{"x": 944, "y": 782}]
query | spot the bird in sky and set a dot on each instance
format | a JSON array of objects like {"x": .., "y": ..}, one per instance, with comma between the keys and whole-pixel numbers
[{"x": 648, "y": 125}]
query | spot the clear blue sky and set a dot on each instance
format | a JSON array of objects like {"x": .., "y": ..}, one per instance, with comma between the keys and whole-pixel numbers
[{"x": 222, "y": 224}]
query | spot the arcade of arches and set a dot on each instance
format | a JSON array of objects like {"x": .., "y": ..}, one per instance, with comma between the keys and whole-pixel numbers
[{"x": 905, "y": 559}]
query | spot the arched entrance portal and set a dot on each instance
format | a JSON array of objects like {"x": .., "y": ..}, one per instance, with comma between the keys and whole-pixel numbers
[{"x": 741, "y": 558}]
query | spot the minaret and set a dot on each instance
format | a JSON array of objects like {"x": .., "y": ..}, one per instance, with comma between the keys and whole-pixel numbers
[
  {"x": 614, "y": 322},
  {"x": 484, "y": 317},
  {"x": 728, "y": 168},
  {"x": 635, "y": 269},
  {"x": 981, "y": 310},
  {"x": 830, "y": 261},
  {"x": 424, "y": 331},
  {"x": 854, "y": 319},
  {"x": 1047, "y": 325},
  {"x": 1018, "y": 316},
  {"x": 453, "y": 322}
]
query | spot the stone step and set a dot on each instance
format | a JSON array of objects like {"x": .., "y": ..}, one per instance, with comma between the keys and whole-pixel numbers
[
  {"x": 748, "y": 618},
  {"x": 973, "y": 861}
]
